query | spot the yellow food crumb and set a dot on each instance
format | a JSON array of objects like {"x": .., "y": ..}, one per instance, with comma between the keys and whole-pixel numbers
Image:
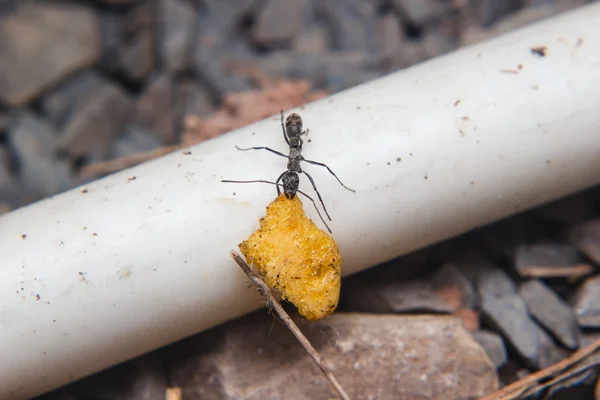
[{"x": 297, "y": 258}]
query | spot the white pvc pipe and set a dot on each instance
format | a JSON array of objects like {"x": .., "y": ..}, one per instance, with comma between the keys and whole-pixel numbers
[{"x": 134, "y": 264}]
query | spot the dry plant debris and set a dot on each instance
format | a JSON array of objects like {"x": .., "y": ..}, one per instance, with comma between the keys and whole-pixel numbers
[
  {"x": 296, "y": 258},
  {"x": 238, "y": 110}
]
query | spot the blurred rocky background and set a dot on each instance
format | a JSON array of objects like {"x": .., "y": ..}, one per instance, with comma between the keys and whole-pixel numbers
[{"x": 89, "y": 87}]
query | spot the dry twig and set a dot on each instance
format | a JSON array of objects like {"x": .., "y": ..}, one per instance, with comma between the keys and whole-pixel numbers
[
  {"x": 556, "y": 373},
  {"x": 266, "y": 291}
]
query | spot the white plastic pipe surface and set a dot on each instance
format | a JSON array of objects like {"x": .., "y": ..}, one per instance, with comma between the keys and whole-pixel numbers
[{"x": 140, "y": 259}]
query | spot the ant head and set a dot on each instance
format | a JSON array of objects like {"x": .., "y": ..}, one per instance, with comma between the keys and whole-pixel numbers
[
  {"x": 293, "y": 125},
  {"x": 290, "y": 181}
]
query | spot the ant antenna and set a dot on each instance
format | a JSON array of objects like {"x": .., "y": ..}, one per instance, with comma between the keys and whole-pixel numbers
[{"x": 282, "y": 185}]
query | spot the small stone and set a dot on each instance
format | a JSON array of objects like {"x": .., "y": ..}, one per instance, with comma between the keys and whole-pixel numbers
[
  {"x": 312, "y": 40},
  {"x": 412, "y": 297},
  {"x": 493, "y": 346},
  {"x": 143, "y": 378},
  {"x": 551, "y": 312},
  {"x": 406, "y": 357},
  {"x": 507, "y": 312},
  {"x": 177, "y": 37},
  {"x": 34, "y": 144},
  {"x": 351, "y": 24},
  {"x": 43, "y": 42},
  {"x": 128, "y": 41},
  {"x": 192, "y": 99},
  {"x": 550, "y": 260},
  {"x": 60, "y": 105},
  {"x": 134, "y": 141},
  {"x": 586, "y": 237},
  {"x": 97, "y": 122},
  {"x": 155, "y": 113},
  {"x": 436, "y": 42},
  {"x": 492, "y": 11},
  {"x": 549, "y": 352},
  {"x": 389, "y": 36},
  {"x": 449, "y": 276},
  {"x": 420, "y": 12},
  {"x": 587, "y": 303},
  {"x": 278, "y": 21},
  {"x": 5, "y": 120},
  {"x": 5, "y": 172}
]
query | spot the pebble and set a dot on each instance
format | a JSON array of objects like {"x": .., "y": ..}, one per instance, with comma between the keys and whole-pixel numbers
[
  {"x": 550, "y": 260},
  {"x": 47, "y": 42},
  {"x": 413, "y": 297},
  {"x": 177, "y": 35},
  {"x": 551, "y": 312},
  {"x": 351, "y": 24},
  {"x": 278, "y": 21},
  {"x": 420, "y": 12},
  {"x": 507, "y": 312},
  {"x": 493, "y": 346},
  {"x": 97, "y": 122},
  {"x": 586, "y": 237},
  {"x": 155, "y": 110},
  {"x": 128, "y": 42},
  {"x": 34, "y": 144},
  {"x": 407, "y": 357},
  {"x": 5, "y": 170},
  {"x": 587, "y": 303},
  {"x": 449, "y": 276}
]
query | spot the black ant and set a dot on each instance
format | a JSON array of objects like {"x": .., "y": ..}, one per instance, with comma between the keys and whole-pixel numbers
[{"x": 292, "y": 132}]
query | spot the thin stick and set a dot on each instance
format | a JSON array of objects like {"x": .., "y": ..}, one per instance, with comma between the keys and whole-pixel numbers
[
  {"x": 272, "y": 300},
  {"x": 514, "y": 390}
]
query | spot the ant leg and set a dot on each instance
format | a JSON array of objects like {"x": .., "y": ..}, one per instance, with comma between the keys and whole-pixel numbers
[
  {"x": 318, "y": 194},
  {"x": 318, "y": 212},
  {"x": 287, "y": 140},
  {"x": 277, "y": 183},
  {"x": 262, "y": 148},
  {"x": 330, "y": 171}
]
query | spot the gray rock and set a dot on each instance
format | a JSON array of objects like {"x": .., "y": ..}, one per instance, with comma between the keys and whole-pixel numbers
[
  {"x": 178, "y": 19},
  {"x": 549, "y": 352},
  {"x": 132, "y": 142},
  {"x": 192, "y": 99},
  {"x": 351, "y": 24},
  {"x": 493, "y": 346},
  {"x": 389, "y": 36},
  {"x": 333, "y": 71},
  {"x": 507, "y": 312},
  {"x": 550, "y": 260},
  {"x": 492, "y": 11},
  {"x": 218, "y": 50},
  {"x": 278, "y": 21},
  {"x": 587, "y": 303},
  {"x": 586, "y": 237},
  {"x": 551, "y": 312},
  {"x": 311, "y": 40},
  {"x": 62, "y": 104},
  {"x": 97, "y": 122},
  {"x": 42, "y": 43},
  {"x": 436, "y": 42},
  {"x": 5, "y": 173},
  {"x": 34, "y": 144},
  {"x": 155, "y": 110},
  {"x": 5, "y": 120},
  {"x": 449, "y": 276},
  {"x": 405, "y": 357},
  {"x": 143, "y": 378},
  {"x": 420, "y": 12},
  {"x": 128, "y": 41},
  {"x": 411, "y": 297}
]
